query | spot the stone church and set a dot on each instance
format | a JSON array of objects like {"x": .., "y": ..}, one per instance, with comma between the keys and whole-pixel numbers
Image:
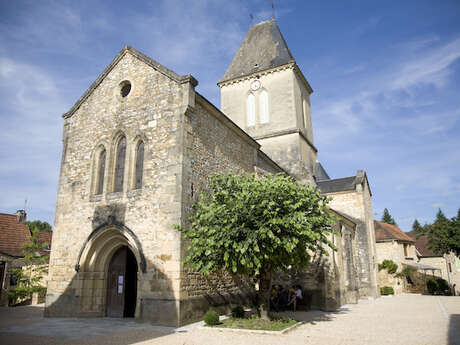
[{"x": 139, "y": 147}]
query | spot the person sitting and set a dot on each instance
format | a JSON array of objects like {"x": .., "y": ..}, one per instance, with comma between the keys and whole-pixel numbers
[{"x": 295, "y": 296}]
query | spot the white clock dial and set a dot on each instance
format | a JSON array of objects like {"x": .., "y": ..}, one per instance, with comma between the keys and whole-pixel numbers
[{"x": 255, "y": 85}]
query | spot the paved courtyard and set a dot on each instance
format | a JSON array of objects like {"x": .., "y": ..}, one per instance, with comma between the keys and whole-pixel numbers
[{"x": 404, "y": 319}]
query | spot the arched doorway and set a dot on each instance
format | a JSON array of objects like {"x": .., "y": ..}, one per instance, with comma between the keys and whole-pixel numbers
[{"x": 122, "y": 284}]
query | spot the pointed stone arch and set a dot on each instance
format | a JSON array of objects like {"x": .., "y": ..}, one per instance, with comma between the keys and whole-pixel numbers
[
  {"x": 92, "y": 266},
  {"x": 103, "y": 242}
]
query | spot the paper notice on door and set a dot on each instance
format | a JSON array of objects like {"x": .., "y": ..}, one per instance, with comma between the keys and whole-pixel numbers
[
  {"x": 120, "y": 280},
  {"x": 120, "y": 289}
]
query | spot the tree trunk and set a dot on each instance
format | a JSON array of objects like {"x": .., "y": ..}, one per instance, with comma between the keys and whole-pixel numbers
[{"x": 263, "y": 298}]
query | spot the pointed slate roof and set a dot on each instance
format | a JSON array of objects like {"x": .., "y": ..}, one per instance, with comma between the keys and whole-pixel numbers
[{"x": 263, "y": 48}]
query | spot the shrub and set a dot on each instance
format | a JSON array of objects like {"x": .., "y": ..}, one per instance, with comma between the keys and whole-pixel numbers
[
  {"x": 389, "y": 265},
  {"x": 387, "y": 290},
  {"x": 211, "y": 318},
  {"x": 238, "y": 312},
  {"x": 438, "y": 286},
  {"x": 443, "y": 286},
  {"x": 432, "y": 286}
]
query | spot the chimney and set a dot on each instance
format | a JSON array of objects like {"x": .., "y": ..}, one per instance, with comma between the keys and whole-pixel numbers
[{"x": 22, "y": 216}]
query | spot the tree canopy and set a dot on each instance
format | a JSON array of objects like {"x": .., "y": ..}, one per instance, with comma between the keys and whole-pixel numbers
[
  {"x": 255, "y": 225},
  {"x": 444, "y": 234},
  {"x": 416, "y": 226},
  {"x": 39, "y": 225},
  {"x": 387, "y": 218}
]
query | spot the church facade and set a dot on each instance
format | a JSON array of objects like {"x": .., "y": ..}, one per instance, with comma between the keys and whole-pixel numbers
[{"x": 139, "y": 147}]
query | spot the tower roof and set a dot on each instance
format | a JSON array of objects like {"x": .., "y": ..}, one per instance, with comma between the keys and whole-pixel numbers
[{"x": 263, "y": 48}]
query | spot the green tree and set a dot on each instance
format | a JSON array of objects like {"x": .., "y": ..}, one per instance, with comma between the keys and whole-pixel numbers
[
  {"x": 444, "y": 234},
  {"x": 387, "y": 218},
  {"x": 416, "y": 226},
  {"x": 39, "y": 225},
  {"x": 254, "y": 226},
  {"x": 29, "y": 277}
]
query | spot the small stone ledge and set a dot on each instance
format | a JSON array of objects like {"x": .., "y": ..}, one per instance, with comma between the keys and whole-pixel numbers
[
  {"x": 95, "y": 198},
  {"x": 134, "y": 192},
  {"x": 114, "y": 195}
]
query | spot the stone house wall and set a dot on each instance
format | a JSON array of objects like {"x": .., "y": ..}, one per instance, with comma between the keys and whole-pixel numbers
[{"x": 357, "y": 204}]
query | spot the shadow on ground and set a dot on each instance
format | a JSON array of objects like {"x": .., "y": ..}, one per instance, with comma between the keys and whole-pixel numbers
[
  {"x": 454, "y": 329},
  {"x": 314, "y": 316},
  {"x": 26, "y": 325}
]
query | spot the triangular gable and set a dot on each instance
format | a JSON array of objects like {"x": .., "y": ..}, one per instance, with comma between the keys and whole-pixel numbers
[{"x": 144, "y": 58}]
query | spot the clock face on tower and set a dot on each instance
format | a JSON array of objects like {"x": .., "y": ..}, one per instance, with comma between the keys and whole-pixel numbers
[{"x": 255, "y": 85}]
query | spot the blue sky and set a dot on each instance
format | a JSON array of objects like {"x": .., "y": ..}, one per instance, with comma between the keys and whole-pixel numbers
[{"x": 386, "y": 76}]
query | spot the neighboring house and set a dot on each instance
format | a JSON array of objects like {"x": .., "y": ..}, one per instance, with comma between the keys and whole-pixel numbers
[
  {"x": 393, "y": 244},
  {"x": 13, "y": 234},
  {"x": 139, "y": 147},
  {"x": 447, "y": 266}
]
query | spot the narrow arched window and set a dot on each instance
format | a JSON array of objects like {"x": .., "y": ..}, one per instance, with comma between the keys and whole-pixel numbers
[
  {"x": 251, "y": 110},
  {"x": 100, "y": 173},
  {"x": 306, "y": 121},
  {"x": 120, "y": 165},
  {"x": 139, "y": 164},
  {"x": 263, "y": 105}
]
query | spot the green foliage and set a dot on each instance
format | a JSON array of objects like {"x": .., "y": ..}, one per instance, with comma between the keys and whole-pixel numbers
[
  {"x": 406, "y": 272},
  {"x": 387, "y": 290},
  {"x": 444, "y": 234},
  {"x": 238, "y": 312},
  {"x": 388, "y": 265},
  {"x": 39, "y": 225},
  {"x": 247, "y": 221},
  {"x": 432, "y": 286},
  {"x": 254, "y": 225},
  {"x": 416, "y": 226},
  {"x": 387, "y": 218},
  {"x": 256, "y": 323},
  {"x": 29, "y": 277},
  {"x": 22, "y": 293},
  {"x": 211, "y": 318},
  {"x": 438, "y": 286}
]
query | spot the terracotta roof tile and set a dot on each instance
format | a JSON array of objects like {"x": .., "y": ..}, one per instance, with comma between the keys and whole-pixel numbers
[
  {"x": 421, "y": 244},
  {"x": 384, "y": 232},
  {"x": 12, "y": 235}
]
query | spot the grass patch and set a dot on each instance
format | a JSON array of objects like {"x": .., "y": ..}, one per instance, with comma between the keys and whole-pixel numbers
[{"x": 254, "y": 323}]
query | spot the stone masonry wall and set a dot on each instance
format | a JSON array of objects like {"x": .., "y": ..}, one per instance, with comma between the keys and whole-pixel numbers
[
  {"x": 212, "y": 147},
  {"x": 151, "y": 112},
  {"x": 353, "y": 203}
]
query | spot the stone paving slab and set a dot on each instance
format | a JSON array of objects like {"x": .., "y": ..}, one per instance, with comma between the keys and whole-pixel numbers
[{"x": 401, "y": 320}]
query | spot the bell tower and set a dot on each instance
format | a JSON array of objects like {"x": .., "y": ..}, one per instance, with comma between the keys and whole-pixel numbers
[{"x": 264, "y": 92}]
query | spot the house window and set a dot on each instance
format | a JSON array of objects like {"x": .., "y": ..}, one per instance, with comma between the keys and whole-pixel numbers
[
  {"x": 100, "y": 173},
  {"x": 450, "y": 267},
  {"x": 405, "y": 249},
  {"x": 263, "y": 105},
  {"x": 139, "y": 165},
  {"x": 120, "y": 165},
  {"x": 251, "y": 110}
]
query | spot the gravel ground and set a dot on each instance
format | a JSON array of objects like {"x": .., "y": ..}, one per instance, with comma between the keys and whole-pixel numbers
[{"x": 403, "y": 319}]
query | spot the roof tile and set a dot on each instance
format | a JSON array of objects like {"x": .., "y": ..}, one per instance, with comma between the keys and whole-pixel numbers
[{"x": 384, "y": 232}]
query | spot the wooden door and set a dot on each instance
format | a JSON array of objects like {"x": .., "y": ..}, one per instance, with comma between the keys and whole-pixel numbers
[{"x": 116, "y": 282}]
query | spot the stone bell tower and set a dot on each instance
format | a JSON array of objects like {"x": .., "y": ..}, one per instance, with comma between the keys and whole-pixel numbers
[{"x": 264, "y": 92}]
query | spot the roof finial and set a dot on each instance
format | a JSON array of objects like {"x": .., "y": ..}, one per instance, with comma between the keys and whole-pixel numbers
[{"x": 273, "y": 9}]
